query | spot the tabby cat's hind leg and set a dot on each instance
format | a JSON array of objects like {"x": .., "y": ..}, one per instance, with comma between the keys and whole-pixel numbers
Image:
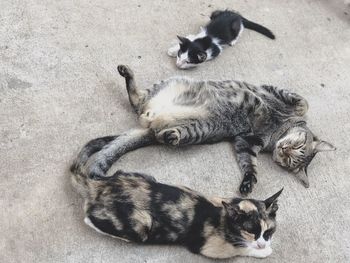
[
  {"x": 136, "y": 95},
  {"x": 299, "y": 103},
  {"x": 196, "y": 132}
]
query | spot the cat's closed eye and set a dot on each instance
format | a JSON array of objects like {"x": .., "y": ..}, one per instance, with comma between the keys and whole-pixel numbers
[{"x": 298, "y": 146}]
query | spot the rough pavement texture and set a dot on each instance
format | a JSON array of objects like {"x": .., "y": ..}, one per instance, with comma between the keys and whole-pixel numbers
[{"x": 59, "y": 88}]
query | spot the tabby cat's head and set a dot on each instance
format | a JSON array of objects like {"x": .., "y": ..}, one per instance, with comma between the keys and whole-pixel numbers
[
  {"x": 250, "y": 222},
  {"x": 296, "y": 149}
]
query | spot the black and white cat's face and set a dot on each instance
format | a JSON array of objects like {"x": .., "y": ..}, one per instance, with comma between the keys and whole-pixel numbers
[
  {"x": 190, "y": 54},
  {"x": 296, "y": 150},
  {"x": 251, "y": 223}
]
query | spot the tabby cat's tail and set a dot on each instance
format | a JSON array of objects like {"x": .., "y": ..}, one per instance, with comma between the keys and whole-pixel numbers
[
  {"x": 98, "y": 155},
  {"x": 258, "y": 28}
]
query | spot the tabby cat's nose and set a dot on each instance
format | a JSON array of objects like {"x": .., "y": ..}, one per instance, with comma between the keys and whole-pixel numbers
[{"x": 286, "y": 149}]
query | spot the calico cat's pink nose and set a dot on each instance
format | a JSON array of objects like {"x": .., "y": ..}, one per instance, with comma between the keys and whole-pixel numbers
[{"x": 261, "y": 245}]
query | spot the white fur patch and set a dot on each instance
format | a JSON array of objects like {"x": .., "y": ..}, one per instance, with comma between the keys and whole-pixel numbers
[
  {"x": 164, "y": 111},
  {"x": 90, "y": 224},
  {"x": 237, "y": 37}
]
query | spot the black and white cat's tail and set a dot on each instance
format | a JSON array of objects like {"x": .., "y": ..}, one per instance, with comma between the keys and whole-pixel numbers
[
  {"x": 98, "y": 155},
  {"x": 258, "y": 28}
]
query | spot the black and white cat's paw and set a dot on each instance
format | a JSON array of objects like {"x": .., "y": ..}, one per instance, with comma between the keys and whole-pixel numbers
[
  {"x": 125, "y": 71},
  {"x": 169, "y": 136},
  {"x": 247, "y": 184},
  {"x": 172, "y": 52}
]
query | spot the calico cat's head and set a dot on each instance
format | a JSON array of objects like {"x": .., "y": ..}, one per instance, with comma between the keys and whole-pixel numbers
[
  {"x": 250, "y": 222},
  {"x": 296, "y": 149},
  {"x": 190, "y": 53}
]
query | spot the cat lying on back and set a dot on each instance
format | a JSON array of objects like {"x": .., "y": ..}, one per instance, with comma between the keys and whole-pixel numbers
[
  {"x": 224, "y": 28},
  {"x": 181, "y": 111},
  {"x": 134, "y": 207}
]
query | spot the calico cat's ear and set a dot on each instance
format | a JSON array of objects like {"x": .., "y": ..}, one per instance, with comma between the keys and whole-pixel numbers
[
  {"x": 183, "y": 40},
  {"x": 271, "y": 202},
  {"x": 201, "y": 56},
  {"x": 231, "y": 209},
  {"x": 322, "y": 146}
]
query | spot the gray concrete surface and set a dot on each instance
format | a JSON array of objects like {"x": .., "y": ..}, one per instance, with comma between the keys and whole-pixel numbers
[{"x": 59, "y": 88}]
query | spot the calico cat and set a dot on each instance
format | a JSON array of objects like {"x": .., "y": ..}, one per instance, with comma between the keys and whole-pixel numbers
[
  {"x": 224, "y": 28},
  {"x": 181, "y": 111},
  {"x": 135, "y": 207}
]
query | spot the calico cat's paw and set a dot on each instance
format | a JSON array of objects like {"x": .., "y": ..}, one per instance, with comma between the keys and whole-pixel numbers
[
  {"x": 125, "y": 71},
  {"x": 261, "y": 253},
  {"x": 169, "y": 136},
  {"x": 247, "y": 184}
]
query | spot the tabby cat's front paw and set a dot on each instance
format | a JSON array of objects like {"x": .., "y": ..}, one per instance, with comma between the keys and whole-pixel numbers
[
  {"x": 247, "y": 184},
  {"x": 169, "y": 136},
  {"x": 125, "y": 71}
]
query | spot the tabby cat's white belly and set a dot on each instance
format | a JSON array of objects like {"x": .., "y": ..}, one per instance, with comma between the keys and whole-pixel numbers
[{"x": 165, "y": 109}]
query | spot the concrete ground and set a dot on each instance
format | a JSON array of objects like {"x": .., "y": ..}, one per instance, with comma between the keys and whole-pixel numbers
[{"x": 59, "y": 88}]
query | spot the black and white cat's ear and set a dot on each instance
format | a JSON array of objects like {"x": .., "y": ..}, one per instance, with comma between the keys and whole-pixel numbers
[
  {"x": 271, "y": 202},
  {"x": 215, "y": 14},
  {"x": 183, "y": 40},
  {"x": 231, "y": 209},
  {"x": 201, "y": 56},
  {"x": 322, "y": 146}
]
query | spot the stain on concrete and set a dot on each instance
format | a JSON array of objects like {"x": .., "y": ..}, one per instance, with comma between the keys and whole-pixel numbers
[{"x": 16, "y": 83}]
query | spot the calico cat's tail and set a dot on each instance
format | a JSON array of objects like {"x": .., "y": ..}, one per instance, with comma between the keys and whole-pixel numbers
[
  {"x": 258, "y": 28},
  {"x": 98, "y": 155}
]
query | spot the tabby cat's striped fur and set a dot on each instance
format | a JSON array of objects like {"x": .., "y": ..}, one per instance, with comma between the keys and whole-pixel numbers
[{"x": 181, "y": 111}]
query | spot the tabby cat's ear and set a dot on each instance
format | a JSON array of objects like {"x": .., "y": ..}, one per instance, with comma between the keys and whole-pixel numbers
[
  {"x": 322, "y": 146},
  {"x": 271, "y": 202},
  {"x": 231, "y": 209},
  {"x": 202, "y": 56},
  {"x": 302, "y": 176}
]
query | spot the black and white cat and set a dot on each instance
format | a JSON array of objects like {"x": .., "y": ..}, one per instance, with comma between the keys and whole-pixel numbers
[{"x": 224, "y": 28}]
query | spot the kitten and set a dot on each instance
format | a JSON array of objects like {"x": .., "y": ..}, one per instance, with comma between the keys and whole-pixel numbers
[
  {"x": 181, "y": 111},
  {"x": 224, "y": 28},
  {"x": 135, "y": 207}
]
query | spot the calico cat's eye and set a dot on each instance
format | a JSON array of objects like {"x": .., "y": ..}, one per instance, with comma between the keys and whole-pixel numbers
[
  {"x": 267, "y": 234},
  {"x": 248, "y": 226}
]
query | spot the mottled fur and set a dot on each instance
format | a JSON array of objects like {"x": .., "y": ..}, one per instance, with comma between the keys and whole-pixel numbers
[
  {"x": 181, "y": 111},
  {"x": 135, "y": 207}
]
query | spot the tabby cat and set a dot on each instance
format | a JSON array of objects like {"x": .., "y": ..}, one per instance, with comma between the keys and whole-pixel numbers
[
  {"x": 135, "y": 207},
  {"x": 181, "y": 111}
]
